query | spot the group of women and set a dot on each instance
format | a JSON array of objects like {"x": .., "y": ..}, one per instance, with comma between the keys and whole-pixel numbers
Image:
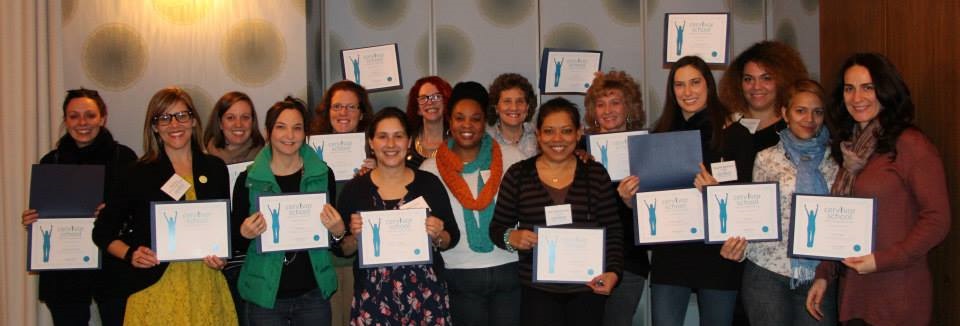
[{"x": 487, "y": 164}]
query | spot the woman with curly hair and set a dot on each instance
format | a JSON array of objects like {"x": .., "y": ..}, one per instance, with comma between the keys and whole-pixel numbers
[
  {"x": 755, "y": 87},
  {"x": 508, "y": 118}
]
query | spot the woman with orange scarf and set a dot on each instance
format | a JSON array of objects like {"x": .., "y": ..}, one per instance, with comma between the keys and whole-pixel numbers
[{"x": 481, "y": 277}]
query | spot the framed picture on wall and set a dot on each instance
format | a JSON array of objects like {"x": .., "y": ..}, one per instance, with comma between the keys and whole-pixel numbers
[
  {"x": 376, "y": 68},
  {"x": 706, "y": 35},
  {"x": 568, "y": 71}
]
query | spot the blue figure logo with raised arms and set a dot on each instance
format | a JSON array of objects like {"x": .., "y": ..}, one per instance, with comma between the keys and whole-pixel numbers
[
  {"x": 47, "y": 234},
  {"x": 171, "y": 231},
  {"x": 275, "y": 222},
  {"x": 811, "y": 224},
  {"x": 680, "y": 29},
  {"x": 603, "y": 155},
  {"x": 558, "y": 66},
  {"x": 319, "y": 150},
  {"x": 723, "y": 212},
  {"x": 552, "y": 255},
  {"x": 652, "y": 212},
  {"x": 376, "y": 237},
  {"x": 356, "y": 69}
]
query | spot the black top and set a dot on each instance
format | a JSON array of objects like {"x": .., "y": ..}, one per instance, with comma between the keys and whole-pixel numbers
[
  {"x": 140, "y": 186},
  {"x": 78, "y": 286},
  {"x": 699, "y": 265},
  {"x": 767, "y": 137},
  {"x": 522, "y": 198}
]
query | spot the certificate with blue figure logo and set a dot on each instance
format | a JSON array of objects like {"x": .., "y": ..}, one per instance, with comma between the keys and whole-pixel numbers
[
  {"x": 62, "y": 244},
  {"x": 394, "y": 238},
  {"x": 831, "y": 228},
  {"x": 293, "y": 222},
  {"x": 611, "y": 150},
  {"x": 668, "y": 216},
  {"x": 568, "y": 255},
  {"x": 190, "y": 230},
  {"x": 705, "y": 35},
  {"x": 344, "y": 153},
  {"x": 749, "y": 210},
  {"x": 376, "y": 68},
  {"x": 568, "y": 71}
]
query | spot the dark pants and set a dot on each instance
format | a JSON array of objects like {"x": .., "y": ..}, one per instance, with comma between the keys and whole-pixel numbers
[
  {"x": 770, "y": 301},
  {"x": 622, "y": 302},
  {"x": 669, "y": 305},
  {"x": 485, "y": 296},
  {"x": 78, "y": 313},
  {"x": 557, "y": 309},
  {"x": 308, "y": 309},
  {"x": 232, "y": 274}
]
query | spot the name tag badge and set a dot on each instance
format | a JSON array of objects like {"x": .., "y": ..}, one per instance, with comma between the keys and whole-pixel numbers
[
  {"x": 724, "y": 171},
  {"x": 558, "y": 214},
  {"x": 751, "y": 124},
  {"x": 175, "y": 187},
  {"x": 485, "y": 175}
]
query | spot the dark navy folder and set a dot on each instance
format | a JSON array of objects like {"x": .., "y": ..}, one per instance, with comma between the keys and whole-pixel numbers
[
  {"x": 664, "y": 161},
  {"x": 66, "y": 190}
]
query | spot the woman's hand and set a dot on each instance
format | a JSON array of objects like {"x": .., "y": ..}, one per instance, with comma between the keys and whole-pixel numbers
[
  {"x": 603, "y": 284},
  {"x": 368, "y": 165},
  {"x": 434, "y": 226},
  {"x": 96, "y": 212},
  {"x": 143, "y": 257},
  {"x": 815, "y": 296},
  {"x": 356, "y": 224},
  {"x": 523, "y": 239},
  {"x": 253, "y": 226},
  {"x": 734, "y": 248},
  {"x": 583, "y": 156},
  {"x": 628, "y": 189},
  {"x": 863, "y": 264},
  {"x": 28, "y": 217},
  {"x": 215, "y": 262},
  {"x": 704, "y": 178},
  {"x": 332, "y": 221}
]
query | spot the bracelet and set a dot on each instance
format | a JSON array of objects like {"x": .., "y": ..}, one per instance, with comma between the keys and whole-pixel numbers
[
  {"x": 437, "y": 241},
  {"x": 337, "y": 238},
  {"x": 128, "y": 256},
  {"x": 506, "y": 240}
]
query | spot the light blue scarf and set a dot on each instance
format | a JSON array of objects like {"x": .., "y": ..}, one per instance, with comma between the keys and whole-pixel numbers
[
  {"x": 806, "y": 156},
  {"x": 478, "y": 236}
]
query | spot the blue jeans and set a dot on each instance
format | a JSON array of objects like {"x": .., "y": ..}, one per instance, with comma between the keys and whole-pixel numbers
[
  {"x": 622, "y": 302},
  {"x": 485, "y": 296},
  {"x": 769, "y": 300},
  {"x": 670, "y": 305},
  {"x": 308, "y": 309}
]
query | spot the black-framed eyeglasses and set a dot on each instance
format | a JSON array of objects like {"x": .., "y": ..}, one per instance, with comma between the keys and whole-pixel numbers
[
  {"x": 165, "y": 119},
  {"x": 424, "y": 99},
  {"x": 340, "y": 107}
]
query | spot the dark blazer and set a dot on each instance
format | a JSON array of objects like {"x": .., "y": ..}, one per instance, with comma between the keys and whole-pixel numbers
[{"x": 140, "y": 187}]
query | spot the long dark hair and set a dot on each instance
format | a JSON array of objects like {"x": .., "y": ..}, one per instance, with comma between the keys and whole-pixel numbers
[
  {"x": 213, "y": 131},
  {"x": 321, "y": 117},
  {"x": 715, "y": 111},
  {"x": 896, "y": 111}
]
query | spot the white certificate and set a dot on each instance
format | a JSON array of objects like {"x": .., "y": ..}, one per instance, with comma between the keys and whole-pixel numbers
[
  {"x": 293, "y": 222},
  {"x": 376, "y": 68},
  {"x": 394, "y": 237},
  {"x": 568, "y": 255},
  {"x": 702, "y": 35},
  {"x": 832, "y": 228},
  {"x": 234, "y": 171},
  {"x": 190, "y": 230},
  {"x": 344, "y": 153},
  {"x": 62, "y": 244},
  {"x": 746, "y": 210},
  {"x": 668, "y": 216},
  {"x": 612, "y": 151},
  {"x": 568, "y": 71}
]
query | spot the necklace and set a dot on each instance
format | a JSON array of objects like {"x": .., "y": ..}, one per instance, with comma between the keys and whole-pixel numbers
[
  {"x": 556, "y": 172},
  {"x": 426, "y": 152},
  {"x": 510, "y": 141},
  {"x": 289, "y": 260}
]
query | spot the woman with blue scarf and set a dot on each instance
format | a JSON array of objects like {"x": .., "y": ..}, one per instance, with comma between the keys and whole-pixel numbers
[
  {"x": 775, "y": 286},
  {"x": 484, "y": 289}
]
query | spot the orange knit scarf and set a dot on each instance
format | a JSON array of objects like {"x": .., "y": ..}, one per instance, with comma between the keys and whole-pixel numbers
[{"x": 451, "y": 166}]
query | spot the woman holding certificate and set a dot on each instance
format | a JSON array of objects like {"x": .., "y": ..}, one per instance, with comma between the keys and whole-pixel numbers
[
  {"x": 483, "y": 287},
  {"x": 425, "y": 104},
  {"x": 576, "y": 193},
  {"x": 883, "y": 155},
  {"x": 399, "y": 293},
  {"x": 172, "y": 168},
  {"x": 679, "y": 269},
  {"x": 67, "y": 293},
  {"x": 232, "y": 133},
  {"x": 754, "y": 88},
  {"x": 509, "y": 117},
  {"x": 294, "y": 285}
]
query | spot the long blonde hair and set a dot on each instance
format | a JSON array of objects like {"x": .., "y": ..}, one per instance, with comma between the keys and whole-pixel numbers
[{"x": 159, "y": 103}]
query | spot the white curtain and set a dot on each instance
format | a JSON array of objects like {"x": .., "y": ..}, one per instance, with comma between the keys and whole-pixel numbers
[{"x": 30, "y": 88}]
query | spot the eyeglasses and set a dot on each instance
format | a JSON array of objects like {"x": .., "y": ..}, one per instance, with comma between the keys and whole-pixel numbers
[
  {"x": 424, "y": 99},
  {"x": 340, "y": 107},
  {"x": 165, "y": 119}
]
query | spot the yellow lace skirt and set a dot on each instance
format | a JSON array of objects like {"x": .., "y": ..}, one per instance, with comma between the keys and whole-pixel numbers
[{"x": 188, "y": 293}]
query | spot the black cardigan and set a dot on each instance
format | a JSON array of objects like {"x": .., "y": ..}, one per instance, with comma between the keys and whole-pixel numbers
[
  {"x": 79, "y": 285},
  {"x": 593, "y": 202},
  {"x": 140, "y": 187}
]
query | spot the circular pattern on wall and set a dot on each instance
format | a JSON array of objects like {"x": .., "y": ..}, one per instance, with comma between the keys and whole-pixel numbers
[
  {"x": 253, "y": 52},
  {"x": 505, "y": 13},
  {"x": 201, "y": 101},
  {"x": 181, "y": 12},
  {"x": 786, "y": 33},
  {"x": 748, "y": 10},
  {"x": 570, "y": 36},
  {"x": 67, "y": 8},
  {"x": 114, "y": 56},
  {"x": 454, "y": 53},
  {"x": 380, "y": 14},
  {"x": 626, "y": 12},
  {"x": 423, "y": 54}
]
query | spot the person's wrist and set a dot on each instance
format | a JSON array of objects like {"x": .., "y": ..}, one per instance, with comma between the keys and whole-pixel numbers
[
  {"x": 506, "y": 240},
  {"x": 128, "y": 256}
]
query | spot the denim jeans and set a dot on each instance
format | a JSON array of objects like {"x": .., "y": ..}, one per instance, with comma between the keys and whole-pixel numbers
[
  {"x": 769, "y": 300},
  {"x": 484, "y": 296},
  {"x": 670, "y": 305},
  {"x": 308, "y": 309},
  {"x": 622, "y": 302}
]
